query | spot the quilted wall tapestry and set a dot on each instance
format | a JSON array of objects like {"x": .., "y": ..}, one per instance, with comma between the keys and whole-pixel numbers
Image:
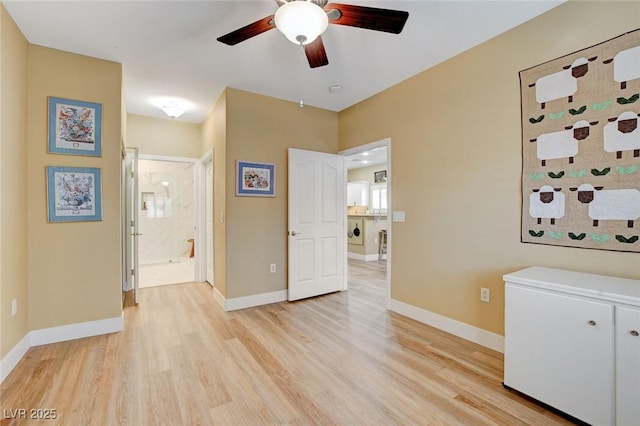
[{"x": 581, "y": 148}]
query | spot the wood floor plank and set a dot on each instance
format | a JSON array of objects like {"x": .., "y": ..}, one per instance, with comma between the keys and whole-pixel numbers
[{"x": 338, "y": 359}]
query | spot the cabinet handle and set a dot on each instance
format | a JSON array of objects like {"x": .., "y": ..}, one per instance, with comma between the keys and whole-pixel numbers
[
  {"x": 634, "y": 333},
  {"x": 592, "y": 323}
]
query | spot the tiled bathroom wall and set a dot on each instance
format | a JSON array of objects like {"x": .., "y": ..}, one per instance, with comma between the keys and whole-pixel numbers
[{"x": 166, "y": 210}]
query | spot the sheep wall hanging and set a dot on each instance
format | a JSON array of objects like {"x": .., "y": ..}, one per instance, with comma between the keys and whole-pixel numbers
[{"x": 581, "y": 148}]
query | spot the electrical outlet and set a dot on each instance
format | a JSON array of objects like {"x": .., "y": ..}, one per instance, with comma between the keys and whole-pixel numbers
[
  {"x": 273, "y": 268},
  {"x": 14, "y": 307},
  {"x": 485, "y": 294}
]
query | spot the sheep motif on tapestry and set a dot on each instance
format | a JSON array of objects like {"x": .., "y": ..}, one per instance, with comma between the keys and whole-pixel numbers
[
  {"x": 546, "y": 203},
  {"x": 626, "y": 66},
  {"x": 562, "y": 144},
  {"x": 580, "y": 117},
  {"x": 562, "y": 84},
  {"x": 611, "y": 204},
  {"x": 622, "y": 133}
]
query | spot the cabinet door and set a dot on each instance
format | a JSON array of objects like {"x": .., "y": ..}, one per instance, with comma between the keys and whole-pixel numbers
[
  {"x": 353, "y": 194},
  {"x": 627, "y": 366},
  {"x": 560, "y": 350},
  {"x": 358, "y": 193}
]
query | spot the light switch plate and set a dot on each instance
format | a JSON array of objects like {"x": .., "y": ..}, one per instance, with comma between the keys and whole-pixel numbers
[{"x": 398, "y": 216}]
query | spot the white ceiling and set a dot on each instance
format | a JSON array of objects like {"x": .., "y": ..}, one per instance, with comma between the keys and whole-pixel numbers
[
  {"x": 367, "y": 158},
  {"x": 169, "y": 49}
]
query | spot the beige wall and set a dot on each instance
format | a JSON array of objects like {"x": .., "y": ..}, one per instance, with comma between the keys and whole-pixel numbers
[
  {"x": 459, "y": 235},
  {"x": 257, "y": 227},
  {"x": 13, "y": 194},
  {"x": 164, "y": 137},
  {"x": 214, "y": 136},
  {"x": 365, "y": 173},
  {"x": 74, "y": 268}
]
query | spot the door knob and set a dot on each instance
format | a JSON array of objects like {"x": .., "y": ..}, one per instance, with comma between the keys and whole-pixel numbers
[
  {"x": 294, "y": 233},
  {"x": 592, "y": 323},
  {"x": 634, "y": 333}
]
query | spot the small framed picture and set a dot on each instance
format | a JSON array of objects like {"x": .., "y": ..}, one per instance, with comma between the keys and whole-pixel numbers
[
  {"x": 255, "y": 179},
  {"x": 74, "y": 194},
  {"x": 379, "y": 177},
  {"x": 75, "y": 127}
]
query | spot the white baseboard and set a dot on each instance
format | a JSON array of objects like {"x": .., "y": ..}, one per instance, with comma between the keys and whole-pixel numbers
[
  {"x": 63, "y": 333},
  {"x": 57, "y": 334},
  {"x": 365, "y": 257},
  {"x": 255, "y": 300},
  {"x": 219, "y": 298},
  {"x": 457, "y": 328},
  {"x": 8, "y": 363}
]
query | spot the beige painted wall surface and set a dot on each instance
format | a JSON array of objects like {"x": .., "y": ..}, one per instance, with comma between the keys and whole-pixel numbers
[
  {"x": 13, "y": 197},
  {"x": 365, "y": 173},
  {"x": 262, "y": 129},
  {"x": 74, "y": 268},
  {"x": 158, "y": 136},
  {"x": 460, "y": 184},
  {"x": 214, "y": 135}
]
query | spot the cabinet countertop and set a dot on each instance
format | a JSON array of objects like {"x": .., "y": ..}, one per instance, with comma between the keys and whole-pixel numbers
[{"x": 614, "y": 289}]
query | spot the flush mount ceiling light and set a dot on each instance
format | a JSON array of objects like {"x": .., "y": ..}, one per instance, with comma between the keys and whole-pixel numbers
[
  {"x": 301, "y": 21},
  {"x": 173, "y": 111}
]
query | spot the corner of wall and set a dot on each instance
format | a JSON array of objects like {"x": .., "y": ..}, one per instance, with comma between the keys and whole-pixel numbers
[
  {"x": 13, "y": 168},
  {"x": 214, "y": 137}
]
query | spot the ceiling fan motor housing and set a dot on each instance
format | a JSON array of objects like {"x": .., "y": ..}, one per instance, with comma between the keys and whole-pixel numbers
[{"x": 301, "y": 21}]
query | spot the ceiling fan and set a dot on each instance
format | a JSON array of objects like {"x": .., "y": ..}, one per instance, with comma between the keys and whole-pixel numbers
[{"x": 303, "y": 22}]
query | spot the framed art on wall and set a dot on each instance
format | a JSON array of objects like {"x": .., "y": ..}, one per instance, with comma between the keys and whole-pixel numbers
[
  {"x": 75, "y": 127},
  {"x": 255, "y": 179},
  {"x": 379, "y": 177},
  {"x": 74, "y": 194}
]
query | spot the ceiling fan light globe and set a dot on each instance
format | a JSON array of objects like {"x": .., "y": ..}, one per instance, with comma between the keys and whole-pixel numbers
[{"x": 301, "y": 20}]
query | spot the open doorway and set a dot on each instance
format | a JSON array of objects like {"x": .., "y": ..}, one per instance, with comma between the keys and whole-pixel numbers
[
  {"x": 166, "y": 215},
  {"x": 369, "y": 215}
]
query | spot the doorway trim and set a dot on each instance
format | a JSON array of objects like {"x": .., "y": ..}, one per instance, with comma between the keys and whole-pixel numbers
[
  {"x": 386, "y": 142},
  {"x": 197, "y": 203},
  {"x": 201, "y": 218}
]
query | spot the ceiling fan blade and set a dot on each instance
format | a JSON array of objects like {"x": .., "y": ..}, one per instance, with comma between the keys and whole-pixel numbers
[
  {"x": 316, "y": 55},
  {"x": 371, "y": 18},
  {"x": 246, "y": 32}
]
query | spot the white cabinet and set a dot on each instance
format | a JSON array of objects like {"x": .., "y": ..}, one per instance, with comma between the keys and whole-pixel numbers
[
  {"x": 570, "y": 342},
  {"x": 554, "y": 355},
  {"x": 628, "y": 365},
  {"x": 358, "y": 193}
]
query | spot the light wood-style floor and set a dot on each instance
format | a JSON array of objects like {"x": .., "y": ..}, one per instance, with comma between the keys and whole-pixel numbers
[{"x": 336, "y": 359}]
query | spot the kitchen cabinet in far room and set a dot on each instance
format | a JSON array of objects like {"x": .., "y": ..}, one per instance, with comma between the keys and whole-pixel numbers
[{"x": 358, "y": 193}]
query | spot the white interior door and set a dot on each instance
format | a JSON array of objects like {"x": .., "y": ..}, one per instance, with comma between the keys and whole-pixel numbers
[
  {"x": 208, "y": 199},
  {"x": 317, "y": 232},
  {"x": 125, "y": 190},
  {"x": 133, "y": 266}
]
